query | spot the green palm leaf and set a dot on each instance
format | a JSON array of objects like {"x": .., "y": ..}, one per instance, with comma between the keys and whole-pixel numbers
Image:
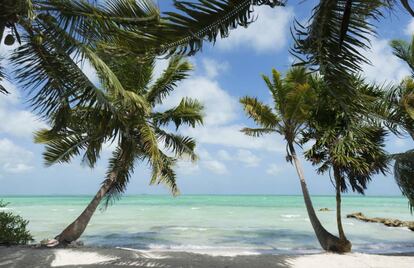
[
  {"x": 206, "y": 20},
  {"x": 188, "y": 112},
  {"x": 61, "y": 148},
  {"x": 259, "y": 112},
  {"x": 257, "y": 132},
  {"x": 325, "y": 45},
  {"x": 2, "y": 77},
  {"x": 404, "y": 174},
  {"x": 121, "y": 165},
  {"x": 176, "y": 71},
  {"x": 178, "y": 144},
  {"x": 165, "y": 174}
]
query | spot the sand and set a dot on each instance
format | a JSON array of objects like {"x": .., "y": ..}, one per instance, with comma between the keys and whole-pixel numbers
[
  {"x": 17, "y": 257},
  {"x": 354, "y": 260},
  {"x": 65, "y": 257}
]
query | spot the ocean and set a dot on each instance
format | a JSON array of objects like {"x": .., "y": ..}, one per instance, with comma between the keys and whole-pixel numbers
[{"x": 218, "y": 224}]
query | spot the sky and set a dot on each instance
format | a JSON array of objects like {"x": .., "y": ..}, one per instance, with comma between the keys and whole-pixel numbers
[{"x": 230, "y": 163}]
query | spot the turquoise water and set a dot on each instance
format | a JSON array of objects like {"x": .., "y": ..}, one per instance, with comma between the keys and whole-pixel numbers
[{"x": 218, "y": 224}]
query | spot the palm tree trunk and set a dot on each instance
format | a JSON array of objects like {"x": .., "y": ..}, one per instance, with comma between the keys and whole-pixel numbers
[
  {"x": 338, "y": 204},
  {"x": 411, "y": 134},
  {"x": 2, "y": 28},
  {"x": 327, "y": 240},
  {"x": 76, "y": 228}
]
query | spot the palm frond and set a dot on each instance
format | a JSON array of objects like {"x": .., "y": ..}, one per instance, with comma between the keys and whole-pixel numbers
[
  {"x": 259, "y": 112},
  {"x": 86, "y": 21},
  {"x": 177, "y": 70},
  {"x": 257, "y": 132},
  {"x": 206, "y": 20},
  {"x": 119, "y": 171},
  {"x": 60, "y": 148},
  {"x": 188, "y": 112},
  {"x": 324, "y": 46},
  {"x": 404, "y": 51},
  {"x": 178, "y": 144},
  {"x": 164, "y": 173},
  {"x": 53, "y": 79},
  {"x": 2, "y": 77},
  {"x": 108, "y": 78},
  {"x": 404, "y": 175}
]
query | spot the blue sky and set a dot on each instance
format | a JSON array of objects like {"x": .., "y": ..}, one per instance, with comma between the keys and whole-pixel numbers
[{"x": 230, "y": 163}]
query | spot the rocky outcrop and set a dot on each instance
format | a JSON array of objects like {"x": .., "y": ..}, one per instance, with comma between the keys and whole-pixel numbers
[
  {"x": 324, "y": 209},
  {"x": 388, "y": 222}
]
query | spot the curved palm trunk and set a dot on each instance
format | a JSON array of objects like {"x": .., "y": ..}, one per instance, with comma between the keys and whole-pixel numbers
[
  {"x": 338, "y": 205},
  {"x": 2, "y": 28},
  {"x": 411, "y": 134},
  {"x": 76, "y": 228},
  {"x": 327, "y": 240}
]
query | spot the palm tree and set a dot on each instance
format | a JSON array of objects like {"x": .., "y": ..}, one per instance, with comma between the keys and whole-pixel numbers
[
  {"x": 349, "y": 145},
  {"x": 138, "y": 133},
  {"x": 293, "y": 98},
  {"x": 47, "y": 29},
  {"x": 45, "y": 25},
  {"x": 399, "y": 118},
  {"x": 401, "y": 99}
]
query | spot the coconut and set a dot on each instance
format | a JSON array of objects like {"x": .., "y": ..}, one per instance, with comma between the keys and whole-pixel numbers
[
  {"x": 38, "y": 40},
  {"x": 9, "y": 40}
]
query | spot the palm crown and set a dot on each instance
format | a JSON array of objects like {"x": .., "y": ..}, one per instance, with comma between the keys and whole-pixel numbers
[
  {"x": 138, "y": 133},
  {"x": 292, "y": 98}
]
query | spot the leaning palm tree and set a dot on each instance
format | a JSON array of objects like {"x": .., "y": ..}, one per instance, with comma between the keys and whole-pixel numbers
[
  {"x": 399, "y": 104},
  {"x": 293, "y": 97},
  {"x": 349, "y": 145},
  {"x": 138, "y": 133}
]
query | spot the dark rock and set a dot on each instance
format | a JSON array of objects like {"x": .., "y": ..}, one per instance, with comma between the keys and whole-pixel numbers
[
  {"x": 324, "y": 209},
  {"x": 75, "y": 244},
  {"x": 385, "y": 221},
  {"x": 50, "y": 243}
]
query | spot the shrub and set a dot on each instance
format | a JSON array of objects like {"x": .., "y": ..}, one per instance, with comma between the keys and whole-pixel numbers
[{"x": 13, "y": 228}]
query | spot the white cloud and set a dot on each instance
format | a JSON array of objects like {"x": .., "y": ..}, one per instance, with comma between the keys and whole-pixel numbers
[
  {"x": 400, "y": 143},
  {"x": 409, "y": 30},
  {"x": 274, "y": 169},
  {"x": 210, "y": 163},
  {"x": 215, "y": 166},
  {"x": 385, "y": 66},
  {"x": 213, "y": 68},
  {"x": 221, "y": 111},
  {"x": 247, "y": 157},
  {"x": 14, "y": 159},
  {"x": 16, "y": 122},
  {"x": 187, "y": 167},
  {"x": 224, "y": 155},
  {"x": 230, "y": 136},
  {"x": 244, "y": 156},
  {"x": 269, "y": 33},
  {"x": 220, "y": 107}
]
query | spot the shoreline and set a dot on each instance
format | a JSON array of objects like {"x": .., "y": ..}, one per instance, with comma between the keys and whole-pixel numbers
[{"x": 28, "y": 256}]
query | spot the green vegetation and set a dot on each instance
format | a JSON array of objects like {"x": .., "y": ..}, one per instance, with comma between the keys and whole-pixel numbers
[
  {"x": 13, "y": 228},
  {"x": 400, "y": 102},
  {"x": 345, "y": 117},
  {"x": 293, "y": 99},
  {"x": 136, "y": 131}
]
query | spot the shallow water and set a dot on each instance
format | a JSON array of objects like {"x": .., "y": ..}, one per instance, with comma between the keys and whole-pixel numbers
[{"x": 216, "y": 224}]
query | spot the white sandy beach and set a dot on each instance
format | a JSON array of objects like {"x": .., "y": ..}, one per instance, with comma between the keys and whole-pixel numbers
[
  {"x": 100, "y": 257},
  {"x": 354, "y": 260},
  {"x": 65, "y": 257}
]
